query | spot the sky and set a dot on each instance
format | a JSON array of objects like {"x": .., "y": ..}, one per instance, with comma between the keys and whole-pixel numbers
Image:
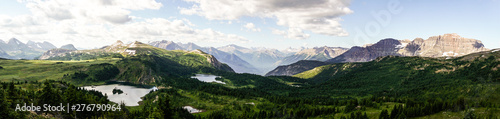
[{"x": 276, "y": 24}]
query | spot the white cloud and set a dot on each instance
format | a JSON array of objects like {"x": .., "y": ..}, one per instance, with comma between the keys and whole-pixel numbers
[
  {"x": 101, "y": 22},
  {"x": 251, "y": 26},
  {"x": 159, "y": 28},
  {"x": 317, "y": 16},
  {"x": 279, "y": 32},
  {"x": 292, "y": 33},
  {"x": 113, "y": 11}
]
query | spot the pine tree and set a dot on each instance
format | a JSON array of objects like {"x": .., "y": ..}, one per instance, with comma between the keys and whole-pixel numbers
[
  {"x": 4, "y": 107},
  {"x": 384, "y": 114},
  {"x": 51, "y": 96},
  {"x": 402, "y": 116},
  {"x": 394, "y": 112},
  {"x": 164, "y": 106}
]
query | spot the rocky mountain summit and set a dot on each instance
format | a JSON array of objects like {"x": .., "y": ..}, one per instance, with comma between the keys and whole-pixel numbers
[
  {"x": 68, "y": 47},
  {"x": 442, "y": 46}
]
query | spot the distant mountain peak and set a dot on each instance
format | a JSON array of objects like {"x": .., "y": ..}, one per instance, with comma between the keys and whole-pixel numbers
[
  {"x": 164, "y": 44},
  {"x": 14, "y": 40},
  {"x": 118, "y": 42},
  {"x": 317, "y": 53},
  {"x": 235, "y": 46},
  {"x": 68, "y": 47}
]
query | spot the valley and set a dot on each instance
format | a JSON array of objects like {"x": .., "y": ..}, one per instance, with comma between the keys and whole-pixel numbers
[
  {"x": 249, "y": 59},
  {"x": 390, "y": 86}
]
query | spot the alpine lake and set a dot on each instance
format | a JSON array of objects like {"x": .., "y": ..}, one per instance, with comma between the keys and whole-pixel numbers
[{"x": 132, "y": 94}]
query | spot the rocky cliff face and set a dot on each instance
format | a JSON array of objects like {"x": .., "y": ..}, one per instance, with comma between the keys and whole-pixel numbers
[
  {"x": 384, "y": 47},
  {"x": 447, "y": 45},
  {"x": 444, "y": 45}
]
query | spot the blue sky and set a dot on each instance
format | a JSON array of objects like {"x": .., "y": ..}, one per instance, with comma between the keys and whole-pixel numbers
[{"x": 273, "y": 23}]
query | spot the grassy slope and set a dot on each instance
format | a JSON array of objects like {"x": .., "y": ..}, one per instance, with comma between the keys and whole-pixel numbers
[{"x": 37, "y": 70}]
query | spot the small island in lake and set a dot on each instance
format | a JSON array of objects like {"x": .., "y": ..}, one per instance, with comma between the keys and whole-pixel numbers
[{"x": 116, "y": 90}]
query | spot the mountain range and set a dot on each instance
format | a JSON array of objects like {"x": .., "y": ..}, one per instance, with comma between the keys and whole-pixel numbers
[
  {"x": 279, "y": 62},
  {"x": 410, "y": 79},
  {"x": 241, "y": 59},
  {"x": 447, "y": 45},
  {"x": 317, "y": 53},
  {"x": 15, "y": 49},
  {"x": 255, "y": 60}
]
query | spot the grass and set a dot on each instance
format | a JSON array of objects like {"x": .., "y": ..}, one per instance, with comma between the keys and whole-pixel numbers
[{"x": 39, "y": 70}]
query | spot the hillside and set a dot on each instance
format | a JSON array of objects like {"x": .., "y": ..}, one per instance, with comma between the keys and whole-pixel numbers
[
  {"x": 417, "y": 77},
  {"x": 447, "y": 45},
  {"x": 295, "y": 68},
  {"x": 136, "y": 63},
  {"x": 236, "y": 63}
]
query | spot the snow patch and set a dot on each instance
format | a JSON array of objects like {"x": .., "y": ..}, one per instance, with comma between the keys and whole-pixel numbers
[
  {"x": 191, "y": 109},
  {"x": 130, "y": 52},
  {"x": 403, "y": 45},
  {"x": 133, "y": 45},
  {"x": 496, "y": 50}
]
